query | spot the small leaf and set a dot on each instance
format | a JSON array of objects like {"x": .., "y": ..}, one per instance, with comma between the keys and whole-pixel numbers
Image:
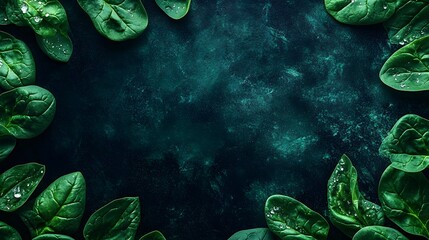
[
  {"x": 17, "y": 66},
  {"x": 348, "y": 210},
  {"x": 53, "y": 237},
  {"x": 253, "y": 234},
  {"x": 27, "y": 111},
  {"x": 176, "y": 9},
  {"x": 118, "y": 219},
  {"x": 58, "y": 47},
  {"x": 360, "y": 12},
  {"x": 8, "y": 233},
  {"x": 116, "y": 20},
  {"x": 407, "y": 69},
  {"x": 291, "y": 219},
  {"x": 154, "y": 235},
  {"x": 378, "y": 233},
  {"x": 404, "y": 198},
  {"x": 59, "y": 208},
  {"x": 407, "y": 144},
  {"x": 7, "y": 143},
  {"x": 18, "y": 183}
]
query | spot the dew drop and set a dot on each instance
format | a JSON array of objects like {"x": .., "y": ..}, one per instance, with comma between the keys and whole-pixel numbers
[{"x": 24, "y": 8}]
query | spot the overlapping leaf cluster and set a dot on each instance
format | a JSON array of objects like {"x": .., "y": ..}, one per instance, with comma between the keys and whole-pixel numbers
[
  {"x": 403, "y": 192},
  {"x": 407, "y": 24}
]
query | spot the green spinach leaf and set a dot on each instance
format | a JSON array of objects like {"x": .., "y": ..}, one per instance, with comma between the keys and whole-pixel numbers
[
  {"x": 53, "y": 237},
  {"x": 291, "y": 219},
  {"x": 4, "y": 20},
  {"x": 17, "y": 66},
  {"x": 117, "y": 20},
  {"x": 18, "y": 183},
  {"x": 360, "y": 12},
  {"x": 154, "y": 235},
  {"x": 378, "y": 233},
  {"x": 253, "y": 234},
  {"x": 118, "y": 219},
  {"x": 348, "y": 210},
  {"x": 27, "y": 111},
  {"x": 58, "y": 47},
  {"x": 175, "y": 9},
  {"x": 404, "y": 198},
  {"x": 8, "y": 233},
  {"x": 59, "y": 208},
  {"x": 407, "y": 69},
  {"x": 407, "y": 144},
  {"x": 7, "y": 143}
]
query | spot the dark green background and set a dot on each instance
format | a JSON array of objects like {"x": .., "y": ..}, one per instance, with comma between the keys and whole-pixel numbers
[{"x": 206, "y": 117}]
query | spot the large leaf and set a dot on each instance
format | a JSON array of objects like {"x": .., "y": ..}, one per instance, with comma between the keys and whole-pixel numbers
[
  {"x": 405, "y": 200},
  {"x": 18, "y": 183},
  {"x": 26, "y": 111},
  {"x": 53, "y": 237},
  {"x": 407, "y": 69},
  {"x": 175, "y": 9},
  {"x": 59, "y": 208},
  {"x": 378, "y": 233},
  {"x": 290, "y": 219},
  {"x": 348, "y": 210},
  {"x": 360, "y": 12},
  {"x": 154, "y": 235},
  {"x": 58, "y": 47},
  {"x": 8, "y": 233},
  {"x": 407, "y": 144},
  {"x": 17, "y": 66},
  {"x": 117, "y": 20},
  {"x": 253, "y": 234},
  {"x": 409, "y": 21},
  {"x": 7, "y": 143},
  {"x": 118, "y": 219}
]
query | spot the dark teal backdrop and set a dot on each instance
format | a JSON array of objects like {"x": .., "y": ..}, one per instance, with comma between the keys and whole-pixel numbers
[{"x": 206, "y": 117}]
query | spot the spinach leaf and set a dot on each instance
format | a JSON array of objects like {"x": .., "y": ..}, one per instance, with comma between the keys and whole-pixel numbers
[
  {"x": 17, "y": 66},
  {"x": 154, "y": 235},
  {"x": 407, "y": 144},
  {"x": 58, "y": 47},
  {"x": 348, "y": 210},
  {"x": 117, "y": 20},
  {"x": 26, "y": 111},
  {"x": 8, "y": 233},
  {"x": 7, "y": 142},
  {"x": 18, "y": 183},
  {"x": 404, "y": 198},
  {"x": 53, "y": 237},
  {"x": 4, "y": 20},
  {"x": 291, "y": 219},
  {"x": 409, "y": 21},
  {"x": 378, "y": 233},
  {"x": 253, "y": 234},
  {"x": 360, "y": 12},
  {"x": 59, "y": 208},
  {"x": 407, "y": 69},
  {"x": 118, "y": 219},
  {"x": 175, "y": 9}
]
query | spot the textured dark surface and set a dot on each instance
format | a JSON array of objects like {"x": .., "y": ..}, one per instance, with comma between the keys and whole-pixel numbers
[{"x": 206, "y": 117}]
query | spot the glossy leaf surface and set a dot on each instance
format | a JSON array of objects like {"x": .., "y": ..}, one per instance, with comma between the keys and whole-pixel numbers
[
  {"x": 17, "y": 67},
  {"x": 58, "y": 47},
  {"x": 53, "y": 237},
  {"x": 378, "y": 233},
  {"x": 253, "y": 234},
  {"x": 407, "y": 69},
  {"x": 7, "y": 143},
  {"x": 27, "y": 111},
  {"x": 175, "y": 9},
  {"x": 116, "y": 20},
  {"x": 4, "y": 20},
  {"x": 360, "y": 12},
  {"x": 348, "y": 210},
  {"x": 8, "y": 233},
  {"x": 18, "y": 183},
  {"x": 404, "y": 198},
  {"x": 59, "y": 208},
  {"x": 291, "y": 219},
  {"x": 118, "y": 219},
  {"x": 154, "y": 235},
  {"x": 407, "y": 144}
]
